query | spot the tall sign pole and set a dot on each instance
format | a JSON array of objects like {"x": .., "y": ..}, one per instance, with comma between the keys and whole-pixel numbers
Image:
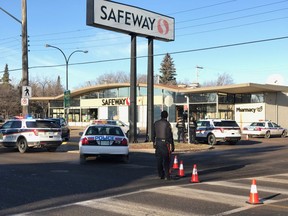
[
  {"x": 135, "y": 22},
  {"x": 25, "y": 77},
  {"x": 133, "y": 88},
  {"x": 150, "y": 91}
]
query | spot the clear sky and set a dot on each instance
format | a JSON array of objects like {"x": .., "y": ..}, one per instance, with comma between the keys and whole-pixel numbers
[{"x": 198, "y": 25}]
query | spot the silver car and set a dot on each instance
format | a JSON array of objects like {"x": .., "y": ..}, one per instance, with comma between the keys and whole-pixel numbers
[
  {"x": 103, "y": 140},
  {"x": 264, "y": 129}
]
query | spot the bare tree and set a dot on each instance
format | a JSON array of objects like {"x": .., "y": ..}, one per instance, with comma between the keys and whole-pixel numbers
[
  {"x": 10, "y": 100},
  {"x": 118, "y": 77},
  {"x": 222, "y": 79},
  {"x": 44, "y": 87}
]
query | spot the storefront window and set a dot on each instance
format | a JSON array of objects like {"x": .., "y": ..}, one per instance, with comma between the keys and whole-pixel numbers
[
  {"x": 257, "y": 98},
  {"x": 243, "y": 98},
  {"x": 124, "y": 92},
  {"x": 224, "y": 98},
  {"x": 56, "y": 103}
]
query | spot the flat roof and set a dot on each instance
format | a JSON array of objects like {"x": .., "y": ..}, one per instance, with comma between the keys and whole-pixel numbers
[{"x": 232, "y": 89}]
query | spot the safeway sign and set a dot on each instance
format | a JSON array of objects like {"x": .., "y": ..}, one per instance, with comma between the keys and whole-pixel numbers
[{"x": 127, "y": 19}]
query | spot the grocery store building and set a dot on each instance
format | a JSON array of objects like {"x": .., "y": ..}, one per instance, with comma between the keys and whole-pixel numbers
[{"x": 244, "y": 103}]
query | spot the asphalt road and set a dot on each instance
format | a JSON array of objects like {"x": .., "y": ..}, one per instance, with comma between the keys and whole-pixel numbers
[{"x": 45, "y": 183}]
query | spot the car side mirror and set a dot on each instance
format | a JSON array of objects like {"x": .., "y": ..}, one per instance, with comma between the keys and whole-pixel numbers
[{"x": 80, "y": 133}]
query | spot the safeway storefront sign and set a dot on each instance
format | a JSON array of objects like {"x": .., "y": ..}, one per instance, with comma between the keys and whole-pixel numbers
[{"x": 127, "y": 19}]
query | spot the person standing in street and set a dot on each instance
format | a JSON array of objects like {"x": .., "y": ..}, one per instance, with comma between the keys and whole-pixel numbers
[
  {"x": 163, "y": 143},
  {"x": 180, "y": 125},
  {"x": 192, "y": 130}
]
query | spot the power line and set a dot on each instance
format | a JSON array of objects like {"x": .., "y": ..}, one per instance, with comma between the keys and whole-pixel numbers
[
  {"x": 205, "y": 31},
  {"x": 235, "y": 18},
  {"x": 163, "y": 54},
  {"x": 232, "y": 12}
]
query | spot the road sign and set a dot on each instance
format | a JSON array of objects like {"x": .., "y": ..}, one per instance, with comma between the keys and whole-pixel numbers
[
  {"x": 67, "y": 98},
  {"x": 26, "y": 92},
  {"x": 168, "y": 101},
  {"x": 24, "y": 101}
]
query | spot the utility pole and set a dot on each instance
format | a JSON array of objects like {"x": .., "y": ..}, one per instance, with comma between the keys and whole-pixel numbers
[
  {"x": 25, "y": 74},
  {"x": 25, "y": 77}
]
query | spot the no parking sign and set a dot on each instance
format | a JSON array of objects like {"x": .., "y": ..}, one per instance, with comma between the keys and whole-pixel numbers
[{"x": 24, "y": 101}]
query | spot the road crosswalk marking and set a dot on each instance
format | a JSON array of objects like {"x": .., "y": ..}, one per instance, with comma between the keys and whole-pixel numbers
[{"x": 127, "y": 205}]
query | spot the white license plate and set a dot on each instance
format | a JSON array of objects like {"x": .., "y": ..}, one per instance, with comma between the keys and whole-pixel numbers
[{"x": 106, "y": 143}]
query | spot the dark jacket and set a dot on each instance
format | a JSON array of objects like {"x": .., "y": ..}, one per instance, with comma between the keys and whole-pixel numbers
[
  {"x": 180, "y": 123},
  {"x": 192, "y": 123},
  {"x": 162, "y": 130}
]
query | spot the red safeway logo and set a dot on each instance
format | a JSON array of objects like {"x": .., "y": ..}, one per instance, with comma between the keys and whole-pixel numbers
[
  {"x": 127, "y": 101},
  {"x": 163, "y": 26}
]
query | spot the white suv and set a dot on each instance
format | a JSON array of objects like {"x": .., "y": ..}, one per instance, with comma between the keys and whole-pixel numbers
[
  {"x": 28, "y": 133},
  {"x": 214, "y": 130}
]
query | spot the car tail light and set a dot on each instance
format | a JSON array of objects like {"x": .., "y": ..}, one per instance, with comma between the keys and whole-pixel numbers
[
  {"x": 124, "y": 142},
  {"x": 245, "y": 128},
  {"x": 221, "y": 129},
  {"x": 85, "y": 141},
  {"x": 35, "y": 132}
]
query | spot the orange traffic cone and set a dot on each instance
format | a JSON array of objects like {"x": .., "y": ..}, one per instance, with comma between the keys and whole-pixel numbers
[
  {"x": 194, "y": 177},
  {"x": 254, "y": 199},
  {"x": 175, "y": 164},
  {"x": 181, "y": 169}
]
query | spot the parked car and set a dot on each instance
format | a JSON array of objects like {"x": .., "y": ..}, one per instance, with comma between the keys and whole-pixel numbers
[
  {"x": 264, "y": 129},
  {"x": 218, "y": 130},
  {"x": 120, "y": 123},
  {"x": 30, "y": 133},
  {"x": 103, "y": 140},
  {"x": 64, "y": 127}
]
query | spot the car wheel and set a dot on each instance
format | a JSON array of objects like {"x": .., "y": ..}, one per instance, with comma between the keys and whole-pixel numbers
[
  {"x": 284, "y": 134},
  {"x": 22, "y": 145},
  {"x": 267, "y": 135},
  {"x": 82, "y": 159},
  {"x": 211, "y": 139}
]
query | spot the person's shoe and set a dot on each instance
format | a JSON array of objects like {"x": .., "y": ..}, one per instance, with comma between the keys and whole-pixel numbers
[{"x": 167, "y": 178}]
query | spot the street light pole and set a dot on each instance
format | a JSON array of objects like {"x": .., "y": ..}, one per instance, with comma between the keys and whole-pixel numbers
[
  {"x": 66, "y": 63},
  {"x": 66, "y": 59}
]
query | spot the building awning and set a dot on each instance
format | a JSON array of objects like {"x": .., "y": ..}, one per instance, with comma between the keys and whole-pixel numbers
[{"x": 229, "y": 89}]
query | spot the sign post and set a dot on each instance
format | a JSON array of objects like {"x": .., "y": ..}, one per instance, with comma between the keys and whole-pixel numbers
[
  {"x": 133, "y": 21},
  {"x": 26, "y": 94},
  {"x": 67, "y": 98}
]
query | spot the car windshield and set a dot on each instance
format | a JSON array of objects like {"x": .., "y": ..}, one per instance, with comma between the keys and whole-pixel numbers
[
  {"x": 258, "y": 124},
  {"x": 103, "y": 130},
  {"x": 57, "y": 121},
  {"x": 226, "y": 124},
  {"x": 41, "y": 124}
]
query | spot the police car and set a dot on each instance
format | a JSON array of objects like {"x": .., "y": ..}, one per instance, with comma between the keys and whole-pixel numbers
[
  {"x": 218, "y": 130},
  {"x": 30, "y": 133},
  {"x": 123, "y": 125},
  {"x": 100, "y": 140},
  {"x": 264, "y": 129}
]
